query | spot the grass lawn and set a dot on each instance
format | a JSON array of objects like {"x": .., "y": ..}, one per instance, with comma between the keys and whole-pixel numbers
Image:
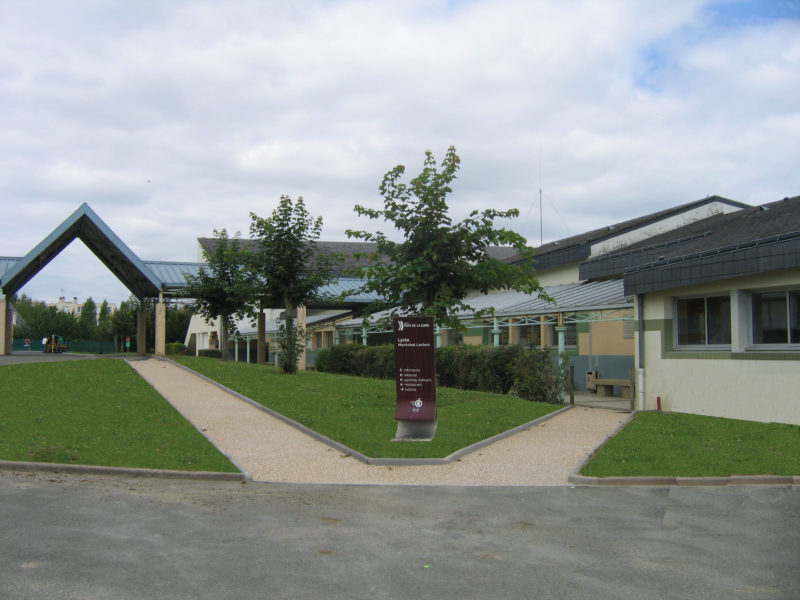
[
  {"x": 672, "y": 444},
  {"x": 359, "y": 412},
  {"x": 96, "y": 412}
]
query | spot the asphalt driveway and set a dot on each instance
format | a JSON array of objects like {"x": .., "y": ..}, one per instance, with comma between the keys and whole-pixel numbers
[{"x": 82, "y": 536}]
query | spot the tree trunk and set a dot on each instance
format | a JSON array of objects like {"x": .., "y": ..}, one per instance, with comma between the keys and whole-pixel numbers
[
  {"x": 289, "y": 360},
  {"x": 223, "y": 337}
]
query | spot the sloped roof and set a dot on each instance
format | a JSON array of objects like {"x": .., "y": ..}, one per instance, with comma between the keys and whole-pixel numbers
[
  {"x": 752, "y": 240},
  {"x": 570, "y": 298},
  {"x": 578, "y": 247},
  {"x": 85, "y": 225}
]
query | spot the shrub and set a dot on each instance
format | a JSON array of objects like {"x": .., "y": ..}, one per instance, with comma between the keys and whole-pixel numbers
[
  {"x": 323, "y": 361},
  {"x": 535, "y": 376},
  {"x": 210, "y": 353},
  {"x": 175, "y": 348}
]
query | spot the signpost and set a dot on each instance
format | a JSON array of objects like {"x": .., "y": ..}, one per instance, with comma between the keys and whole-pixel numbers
[{"x": 415, "y": 378}]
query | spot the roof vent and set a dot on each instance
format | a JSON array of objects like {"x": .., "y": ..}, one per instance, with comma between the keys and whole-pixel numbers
[{"x": 763, "y": 208}]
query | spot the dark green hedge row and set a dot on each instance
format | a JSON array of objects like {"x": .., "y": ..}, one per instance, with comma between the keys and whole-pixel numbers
[{"x": 528, "y": 373}]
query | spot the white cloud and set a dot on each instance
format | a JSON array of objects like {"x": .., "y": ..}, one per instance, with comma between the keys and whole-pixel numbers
[{"x": 630, "y": 107}]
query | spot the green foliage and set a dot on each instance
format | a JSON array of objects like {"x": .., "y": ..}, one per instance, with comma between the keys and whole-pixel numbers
[
  {"x": 178, "y": 318},
  {"x": 222, "y": 288},
  {"x": 87, "y": 320},
  {"x": 359, "y": 411},
  {"x": 96, "y": 412},
  {"x": 673, "y": 444},
  {"x": 439, "y": 262},
  {"x": 357, "y": 360},
  {"x": 174, "y": 348},
  {"x": 104, "y": 325},
  {"x": 535, "y": 376},
  {"x": 287, "y": 270},
  {"x": 209, "y": 353},
  {"x": 39, "y": 320},
  {"x": 529, "y": 374}
]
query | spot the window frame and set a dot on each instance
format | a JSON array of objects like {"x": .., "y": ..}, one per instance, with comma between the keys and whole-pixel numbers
[
  {"x": 788, "y": 293},
  {"x": 703, "y": 346}
]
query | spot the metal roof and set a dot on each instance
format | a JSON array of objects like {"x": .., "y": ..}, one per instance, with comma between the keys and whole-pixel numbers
[
  {"x": 576, "y": 297},
  {"x": 749, "y": 241},
  {"x": 85, "y": 225}
]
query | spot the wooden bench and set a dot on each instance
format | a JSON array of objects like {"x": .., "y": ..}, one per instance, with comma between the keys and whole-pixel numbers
[{"x": 605, "y": 387}]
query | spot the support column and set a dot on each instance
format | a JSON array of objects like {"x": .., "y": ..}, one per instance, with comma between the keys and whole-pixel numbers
[
  {"x": 6, "y": 339},
  {"x": 161, "y": 328},
  {"x": 261, "y": 335},
  {"x": 141, "y": 333},
  {"x": 496, "y": 331},
  {"x": 363, "y": 336},
  {"x": 301, "y": 329},
  {"x": 438, "y": 336}
]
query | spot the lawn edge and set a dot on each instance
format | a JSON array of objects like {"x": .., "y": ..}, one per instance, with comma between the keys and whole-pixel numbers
[
  {"x": 10, "y": 465},
  {"x": 576, "y": 478},
  {"x": 347, "y": 451}
]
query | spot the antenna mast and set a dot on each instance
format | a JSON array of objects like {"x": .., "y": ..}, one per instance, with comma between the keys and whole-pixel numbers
[{"x": 541, "y": 222}]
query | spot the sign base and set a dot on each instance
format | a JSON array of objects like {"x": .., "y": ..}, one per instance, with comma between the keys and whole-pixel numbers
[{"x": 414, "y": 431}]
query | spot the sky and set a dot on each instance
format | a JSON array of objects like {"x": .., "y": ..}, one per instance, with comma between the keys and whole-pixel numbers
[{"x": 173, "y": 119}]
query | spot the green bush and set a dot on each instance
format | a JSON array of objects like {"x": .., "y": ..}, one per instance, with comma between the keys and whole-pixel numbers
[
  {"x": 535, "y": 376},
  {"x": 176, "y": 348},
  {"x": 529, "y": 374},
  {"x": 210, "y": 353}
]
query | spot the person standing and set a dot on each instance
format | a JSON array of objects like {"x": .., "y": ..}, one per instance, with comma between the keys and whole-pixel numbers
[{"x": 44, "y": 344}]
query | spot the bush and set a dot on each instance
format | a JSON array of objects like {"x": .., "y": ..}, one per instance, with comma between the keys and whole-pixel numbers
[
  {"x": 210, "y": 353},
  {"x": 175, "y": 348},
  {"x": 529, "y": 374},
  {"x": 535, "y": 377}
]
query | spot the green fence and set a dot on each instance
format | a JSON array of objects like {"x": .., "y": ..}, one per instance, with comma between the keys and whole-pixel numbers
[{"x": 82, "y": 346}]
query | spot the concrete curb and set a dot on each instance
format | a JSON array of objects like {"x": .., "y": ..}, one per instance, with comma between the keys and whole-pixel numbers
[
  {"x": 394, "y": 462},
  {"x": 8, "y": 465}
]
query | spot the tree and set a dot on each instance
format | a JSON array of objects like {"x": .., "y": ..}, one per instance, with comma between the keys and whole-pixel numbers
[
  {"x": 123, "y": 321},
  {"x": 440, "y": 262},
  {"x": 222, "y": 288},
  {"x": 87, "y": 320},
  {"x": 287, "y": 269},
  {"x": 103, "y": 331}
]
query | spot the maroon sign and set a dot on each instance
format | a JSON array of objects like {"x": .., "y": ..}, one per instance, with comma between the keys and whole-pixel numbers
[{"x": 415, "y": 373}]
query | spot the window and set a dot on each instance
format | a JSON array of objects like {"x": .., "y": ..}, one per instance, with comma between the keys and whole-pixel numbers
[
  {"x": 776, "y": 317},
  {"x": 704, "y": 321},
  {"x": 530, "y": 335}
]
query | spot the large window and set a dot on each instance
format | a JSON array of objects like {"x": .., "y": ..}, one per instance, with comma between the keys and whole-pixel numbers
[
  {"x": 704, "y": 321},
  {"x": 776, "y": 317}
]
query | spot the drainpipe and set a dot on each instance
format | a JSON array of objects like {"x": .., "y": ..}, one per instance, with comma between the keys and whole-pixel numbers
[
  {"x": 640, "y": 327},
  {"x": 561, "y": 329}
]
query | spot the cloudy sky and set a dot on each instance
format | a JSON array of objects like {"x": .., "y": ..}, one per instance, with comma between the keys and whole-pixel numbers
[{"x": 172, "y": 119}]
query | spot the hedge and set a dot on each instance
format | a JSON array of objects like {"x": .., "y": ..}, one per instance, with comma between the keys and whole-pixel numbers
[{"x": 528, "y": 373}]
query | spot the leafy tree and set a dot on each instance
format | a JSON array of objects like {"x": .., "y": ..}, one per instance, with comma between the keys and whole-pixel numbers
[
  {"x": 178, "y": 318},
  {"x": 123, "y": 321},
  {"x": 103, "y": 330},
  {"x": 222, "y": 288},
  {"x": 87, "y": 320},
  {"x": 439, "y": 262},
  {"x": 287, "y": 269}
]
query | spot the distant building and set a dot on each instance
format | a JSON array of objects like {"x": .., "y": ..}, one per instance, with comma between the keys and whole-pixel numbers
[{"x": 75, "y": 308}]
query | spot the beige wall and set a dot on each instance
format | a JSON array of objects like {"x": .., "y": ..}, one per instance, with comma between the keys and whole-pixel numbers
[
  {"x": 739, "y": 384},
  {"x": 606, "y": 338}
]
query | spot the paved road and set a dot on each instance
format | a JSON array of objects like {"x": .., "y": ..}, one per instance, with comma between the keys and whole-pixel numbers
[{"x": 71, "y": 537}]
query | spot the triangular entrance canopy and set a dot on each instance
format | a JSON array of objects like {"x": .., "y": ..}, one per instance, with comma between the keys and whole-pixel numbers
[{"x": 85, "y": 225}]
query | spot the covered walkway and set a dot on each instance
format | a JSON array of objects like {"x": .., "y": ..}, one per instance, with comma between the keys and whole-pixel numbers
[{"x": 153, "y": 279}]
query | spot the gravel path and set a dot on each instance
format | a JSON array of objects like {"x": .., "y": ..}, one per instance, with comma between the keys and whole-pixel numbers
[{"x": 269, "y": 450}]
